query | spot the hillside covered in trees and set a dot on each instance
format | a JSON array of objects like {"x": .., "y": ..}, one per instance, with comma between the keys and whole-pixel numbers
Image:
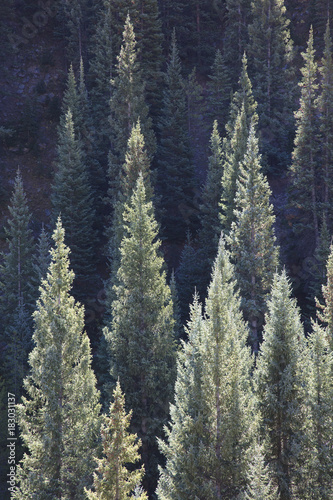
[{"x": 166, "y": 265}]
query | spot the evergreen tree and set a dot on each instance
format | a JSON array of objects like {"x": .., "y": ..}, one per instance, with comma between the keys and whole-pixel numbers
[
  {"x": 252, "y": 239},
  {"x": 325, "y": 105},
  {"x": 16, "y": 268},
  {"x": 175, "y": 170},
  {"x": 73, "y": 17},
  {"x": 184, "y": 448},
  {"x": 187, "y": 277},
  {"x": 233, "y": 156},
  {"x": 72, "y": 198},
  {"x": 219, "y": 91},
  {"x": 236, "y": 33},
  {"x": 42, "y": 258},
  {"x": 279, "y": 382},
  {"x": 101, "y": 72},
  {"x": 259, "y": 478},
  {"x": 140, "y": 336},
  {"x": 209, "y": 210},
  {"x": 58, "y": 418},
  {"x": 120, "y": 448},
  {"x": 325, "y": 312},
  {"x": 271, "y": 51},
  {"x": 243, "y": 96},
  {"x": 304, "y": 169},
  {"x": 213, "y": 419},
  {"x": 317, "y": 468},
  {"x": 136, "y": 162},
  {"x": 128, "y": 100},
  {"x": 178, "y": 329}
]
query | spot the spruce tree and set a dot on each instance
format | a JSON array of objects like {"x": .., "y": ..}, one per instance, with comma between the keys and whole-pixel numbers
[
  {"x": 325, "y": 105},
  {"x": 175, "y": 169},
  {"x": 58, "y": 417},
  {"x": 236, "y": 33},
  {"x": 42, "y": 258},
  {"x": 120, "y": 449},
  {"x": 209, "y": 210},
  {"x": 213, "y": 419},
  {"x": 259, "y": 479},
  {"x": 325, "y": 311},
  {"x": 252, "y": 239},
  {"x": 305, "y": 168},
  {"x": 270, "y": 50},
  {"x": 234, "y": 153},
  {"x": 186, "y": 434},
  {"x": 317, "y": 466},
  {"x": 219, "y": 91},
  {"x": 128, "y": 102},
  {"x": 16, "y": 268},
  {"x": 101, "y": 72},
  {"x": 280, "y": 384},
  {"x": 140, "y": 336},
  {"x": 72, "y": 199}
]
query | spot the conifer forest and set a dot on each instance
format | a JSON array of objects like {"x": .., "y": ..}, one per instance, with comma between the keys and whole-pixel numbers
[{"x": 166, "y": 252}]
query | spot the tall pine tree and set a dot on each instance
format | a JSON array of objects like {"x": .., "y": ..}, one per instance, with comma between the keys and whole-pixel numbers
[
  {"x": 280, "y": 381},
  {"x": 252, "y": 239},
  {"x": 140, "y": 337},
  {"x": 175, "y": 169},
  {"x": 58, "y": 417},
  {"x": 304, "y": 170}
]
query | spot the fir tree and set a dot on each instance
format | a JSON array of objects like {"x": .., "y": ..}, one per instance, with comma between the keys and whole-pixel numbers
[
  {"x": 120, "y": 448},
  {"x": 128, "y": 99},
  {"x": 259, "y": 480},
  {"x": 187, "y": 277},
  {"x": 175, "y": 170},
  {"x": 140, "y": 337},
  {"x": 325, "y": 312},
  {"x": 42, "y": 258},
  {"x": 58, "y": 418},
  {"x": 279, "y": 382},
  {"x": 219, "y": 91},
  {"x": 209, "y": 210},
  {"x": 304, "y": 168},
  {"x": 186, "y": 433},
  {"x": 16, "y": 268},
  {"x": 236, "y": 33},
  {"x": 101, "y": 72},
  {"x": 270, "y": 49},
  {"x": 252, "y": 239},
  {"x": 325, "y": 105},
  {"x": 72, "y": 199},
  {"x": 243, "y": 96},
  {"x": 317, "y": 467},
  {"x": 213, "y": 419},
  {"x": 233, "y": 156}
]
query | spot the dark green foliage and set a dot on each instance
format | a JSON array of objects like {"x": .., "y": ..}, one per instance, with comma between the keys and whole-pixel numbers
[
  {"x": 236, "y": 34},
  {"x": 58, "y": 417},
  {"x": 280, "y": 382},
  {"x": 252, "y": 239},
  {"x": 187, "y": 277},
  {"x": 219, "y": 91},
  {"x": 305, "y": 161},
  {"x": 325, "y": 311},
  {"x": 72, "y": 199},
  {"x": 175, "y": 168},
  {"x": 128, "y": 97},
  {"x": 16, "y": 268},
  {"x": 73, "y": 18},
  {"x": 210, "y": 229},
  {"x": 140, "y": 337},
  {"x": 270, "y": 50},
  {"x": 42, "y": 258}
]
